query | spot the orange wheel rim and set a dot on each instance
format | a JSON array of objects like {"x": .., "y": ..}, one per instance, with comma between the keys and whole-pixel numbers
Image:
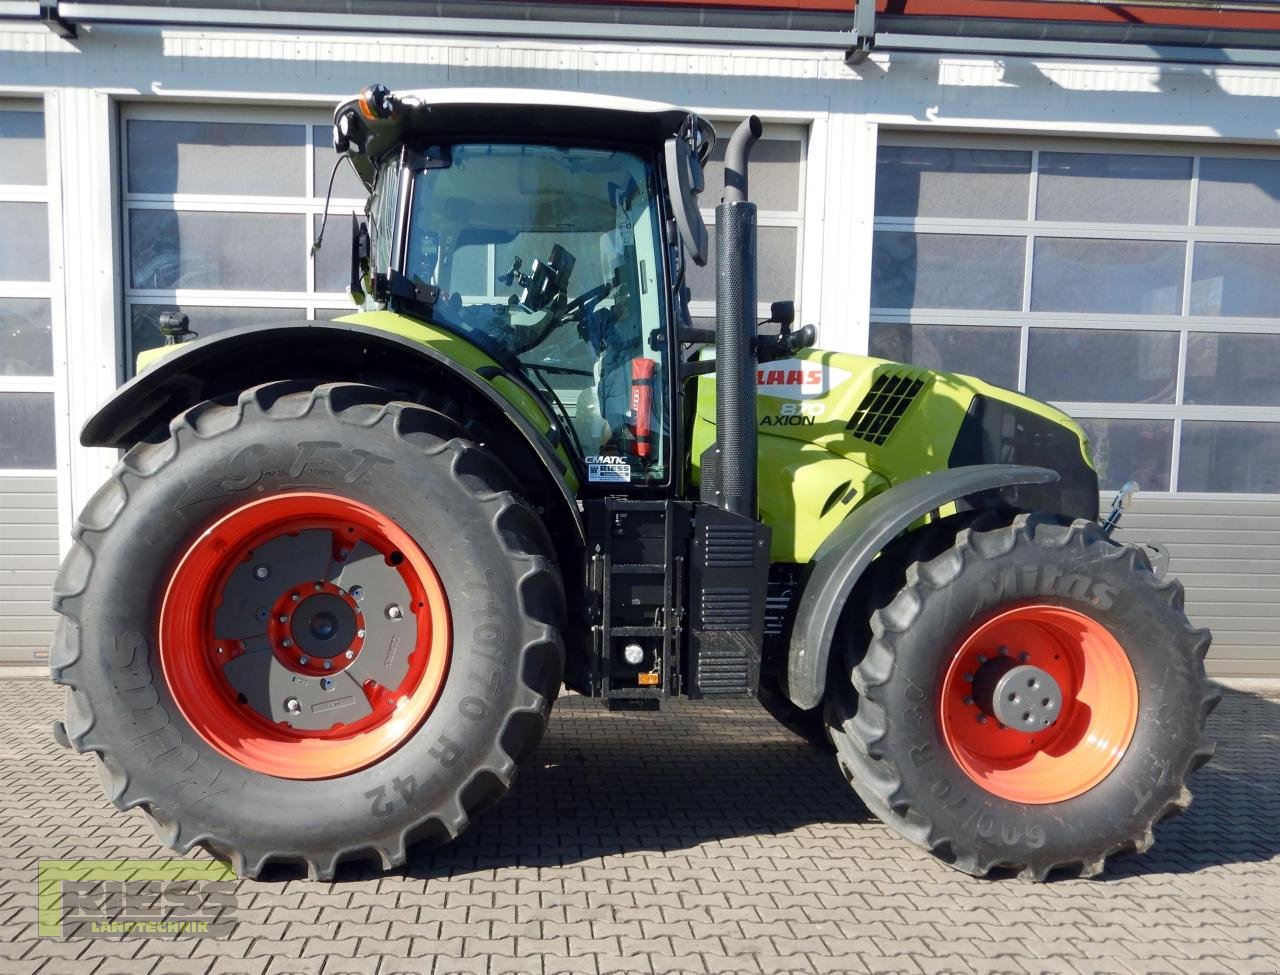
[
  {"x": 1029, "y": 759},
  {"x": 304, "y": 635}
]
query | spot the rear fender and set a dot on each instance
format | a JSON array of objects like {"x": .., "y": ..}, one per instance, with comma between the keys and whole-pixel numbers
[
  {"x": 847, "y": 551},
  {"x": 329, "y": 352}
]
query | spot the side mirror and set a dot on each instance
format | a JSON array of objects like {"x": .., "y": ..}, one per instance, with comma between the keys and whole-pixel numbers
[
  {"x": 684, "y": 180},
  {"x": 356, "y": 286},
  {"x": 804, "y": 338}
]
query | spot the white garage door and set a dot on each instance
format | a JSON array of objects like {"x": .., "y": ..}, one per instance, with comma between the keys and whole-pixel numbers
[
  {"x": 28, "y": 491},
  {"x": 1136, "y": 288}
]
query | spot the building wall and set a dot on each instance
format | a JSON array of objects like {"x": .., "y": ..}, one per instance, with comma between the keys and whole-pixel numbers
[{"x": 92, "y": 89}]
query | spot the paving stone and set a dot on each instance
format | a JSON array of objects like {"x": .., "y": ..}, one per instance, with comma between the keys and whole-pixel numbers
[{"x": 701, "y": 840}]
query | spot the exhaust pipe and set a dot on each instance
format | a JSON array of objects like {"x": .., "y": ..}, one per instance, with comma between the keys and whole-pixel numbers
[{"x": 736, "y": 328}]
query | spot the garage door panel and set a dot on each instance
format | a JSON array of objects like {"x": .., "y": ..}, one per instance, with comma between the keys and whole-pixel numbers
[
  {"x": 1263, "y": 669},
  {"x": 28, "y": 491},
  {"x": 1245, "y": 613},
  {"x": 1229, "y": 563},
  {"x": 1244, "y": 589},
  {"x": 32, "y": 516},
  {"x": 34, "y": 500},
  {"x": 1257, "y": 520},
  {"x": 1212, "y": 536}
]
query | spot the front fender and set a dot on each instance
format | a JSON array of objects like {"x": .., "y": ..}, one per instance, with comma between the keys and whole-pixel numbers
[
  {"x": 847, "y": 551},
  {"x": 324, "y": 352}
]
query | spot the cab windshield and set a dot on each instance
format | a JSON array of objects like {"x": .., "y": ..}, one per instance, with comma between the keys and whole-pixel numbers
[{"x": 547, "y": 258}]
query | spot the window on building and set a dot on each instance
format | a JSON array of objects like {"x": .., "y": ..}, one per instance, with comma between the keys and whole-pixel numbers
[
  {"x": 220, "y": 209},
  {"x": 777, "y": 187},
  {"x": 26, "y": 320},
  {"x": 1134, "y": 287}
]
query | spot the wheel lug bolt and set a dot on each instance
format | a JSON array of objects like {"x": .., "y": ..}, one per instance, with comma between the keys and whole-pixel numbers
[
  {"x": 304, "y": 660},
  {"x": 286, "y": 643},
  {"x": 968, "y": 701},
  {"x": 982, "y": 719},
  {"x": 1024, "y": 656},
  {"x": 969, "y": 678},
  {"x": 291, "y": 705},
  {"x": 982, "y": 658},
  {"x": 350, "y": 654},
  {"x": 261, "y": 572},
  {"x": 283, "y": 619},
  {"x": 318, "y": 587},
  {"x": 360, "y": 634},
  {"x": 328, "y": 665},
  {"x": 219, "y": 649},
  {"x": 1002, "y": 650},
  {"x": 295, "y": 597}
]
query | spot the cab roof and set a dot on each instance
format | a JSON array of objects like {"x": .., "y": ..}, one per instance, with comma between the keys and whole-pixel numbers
[{"x": 515, "y": 113}]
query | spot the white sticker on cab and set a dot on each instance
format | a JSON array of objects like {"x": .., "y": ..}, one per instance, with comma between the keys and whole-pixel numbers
[{"x": 605, "y": 469}]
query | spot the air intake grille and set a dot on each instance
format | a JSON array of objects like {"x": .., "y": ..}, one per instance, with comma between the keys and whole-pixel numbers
[{"x": 883, "y": 406}]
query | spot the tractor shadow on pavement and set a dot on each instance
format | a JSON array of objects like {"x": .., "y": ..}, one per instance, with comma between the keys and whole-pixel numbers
[
  {"x": 603, "y": 784},
  {"x": 606, "y": 783}
]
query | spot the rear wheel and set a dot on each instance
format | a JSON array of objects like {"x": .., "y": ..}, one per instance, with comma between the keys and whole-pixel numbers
[
  {"x": 309, "y": 625},
  {"x": 1032, "y": 698}
]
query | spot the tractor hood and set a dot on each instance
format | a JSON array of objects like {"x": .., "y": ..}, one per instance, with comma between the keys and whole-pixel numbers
[{"x": 836, "y": 429}]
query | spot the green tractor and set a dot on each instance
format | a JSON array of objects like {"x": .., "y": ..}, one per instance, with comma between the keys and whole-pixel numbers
[{"x": 323, "y": 606}]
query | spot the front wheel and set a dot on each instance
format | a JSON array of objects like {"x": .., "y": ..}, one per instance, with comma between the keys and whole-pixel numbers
[
  {"x": 1033, "y": 698},
  {"x": 310, "y": 625}
]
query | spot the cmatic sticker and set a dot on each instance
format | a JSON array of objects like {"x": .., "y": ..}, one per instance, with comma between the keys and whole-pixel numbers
[
  {"x": 797, "y": 378},
  {"x": 608, "y": 470}
]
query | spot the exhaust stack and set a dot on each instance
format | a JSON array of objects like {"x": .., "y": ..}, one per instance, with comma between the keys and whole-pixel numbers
[{"x": 736, "y": 328}]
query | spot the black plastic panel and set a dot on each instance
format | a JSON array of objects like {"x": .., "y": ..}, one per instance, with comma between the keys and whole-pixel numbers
[
  {"x": 994, "y": 432},
  {"x": 728, "y": 578}
]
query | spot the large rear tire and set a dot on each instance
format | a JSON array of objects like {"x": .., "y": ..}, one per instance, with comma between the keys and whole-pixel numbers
[
  {"x": 936, "y": 731},
  {"x": 310, "y": 625}
]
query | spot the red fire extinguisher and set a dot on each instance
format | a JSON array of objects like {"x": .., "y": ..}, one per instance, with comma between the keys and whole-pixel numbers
[{"x": 642, "y": 372}]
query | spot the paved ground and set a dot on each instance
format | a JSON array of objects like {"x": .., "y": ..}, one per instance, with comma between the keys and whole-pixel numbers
[{"x": 703, "y": 839}]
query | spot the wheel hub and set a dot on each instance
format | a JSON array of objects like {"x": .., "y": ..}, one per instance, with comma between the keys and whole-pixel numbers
[
  {"x": 305, "y": 635},
  {"x": 325, "y": 625},
  {"x": 1021, "y": 697}
]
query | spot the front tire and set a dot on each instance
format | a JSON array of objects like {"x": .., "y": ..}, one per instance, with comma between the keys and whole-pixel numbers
[
  {"x": 985, "y": 783},
  {"x": 309, "y": 625}
]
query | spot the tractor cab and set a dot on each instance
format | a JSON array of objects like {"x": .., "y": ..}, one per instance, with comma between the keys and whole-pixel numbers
[{"x": 537, "y": 228}]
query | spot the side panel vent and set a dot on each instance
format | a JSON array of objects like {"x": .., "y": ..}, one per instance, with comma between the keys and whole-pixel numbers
[
  {"x": 726, "y": 608},
  {"x": 730, "y": 546},
  {"x": 883, "y": 406}
]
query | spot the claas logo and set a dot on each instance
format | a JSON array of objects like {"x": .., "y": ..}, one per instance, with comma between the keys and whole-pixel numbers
[
  {"x": 789, "y": 377},
  {"x": 797, "y": 379}
]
